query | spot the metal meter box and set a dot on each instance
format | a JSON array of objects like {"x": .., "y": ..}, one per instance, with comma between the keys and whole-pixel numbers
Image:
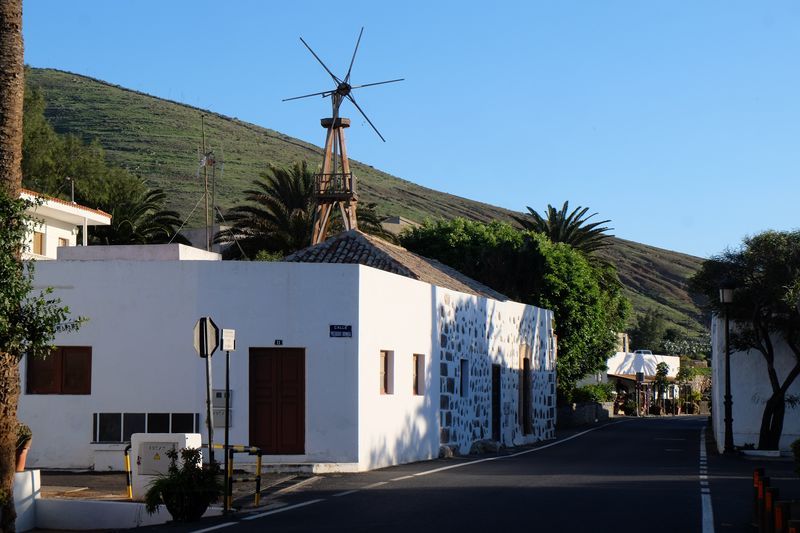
[
  {"x": 149, "y": 456},
  {"x": 219, "y": 417},
  {"x": 218, "y": 401}
]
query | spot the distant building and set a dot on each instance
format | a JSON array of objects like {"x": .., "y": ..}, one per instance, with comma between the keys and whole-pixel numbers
[
  {"x": 396, "y": 224},
  {"x": 55, "y": 224}
]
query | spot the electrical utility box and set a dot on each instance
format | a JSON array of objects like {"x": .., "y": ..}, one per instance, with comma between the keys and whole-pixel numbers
[{"x": 149, "y": 456}]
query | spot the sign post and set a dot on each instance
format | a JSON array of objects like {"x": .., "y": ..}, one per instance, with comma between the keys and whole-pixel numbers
[
  {"x": 206, "y": 340},
  {"x": 228, "y": 344}
]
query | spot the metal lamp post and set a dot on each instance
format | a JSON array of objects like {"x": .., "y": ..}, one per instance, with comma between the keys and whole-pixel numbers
[{"x": 725, "y": 298}]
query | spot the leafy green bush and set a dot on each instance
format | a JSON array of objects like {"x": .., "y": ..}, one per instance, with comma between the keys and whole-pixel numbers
[
  {"x": 600, "y": 392},
  {"x": 186, "y": 490}
]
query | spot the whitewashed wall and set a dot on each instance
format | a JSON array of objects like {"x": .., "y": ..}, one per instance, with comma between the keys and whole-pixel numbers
[
  {"x": 140, "y": 329},
  {"x": 141, "y": 315},
  {"x": 750, "y": 389},
  {"x": 52, "y": 230},
  {"x": 396, "y": 314},
  {"x": 487, "y": 332}
]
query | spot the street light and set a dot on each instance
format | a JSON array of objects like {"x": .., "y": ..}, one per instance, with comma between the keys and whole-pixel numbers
[{"x": 726, "y": 298}]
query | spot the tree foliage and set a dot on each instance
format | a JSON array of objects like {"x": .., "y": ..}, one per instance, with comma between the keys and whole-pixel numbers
[
  {"x": 278, "y": 218},
  {"x": 51, "y": 161},
  {"x": 649, "y": 331},
  {"x": 571, "y": 228},
  {"x": 28, "y": 321},
  {"x": 766, "y": 272},
  {"x": 586, "y": 300},
  {"x": 140, "y": 218},
  {"x": 49, "y": 158}
]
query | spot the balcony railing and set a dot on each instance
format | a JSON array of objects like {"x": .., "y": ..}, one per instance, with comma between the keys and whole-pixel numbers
[{"x": 335, "y": 185}]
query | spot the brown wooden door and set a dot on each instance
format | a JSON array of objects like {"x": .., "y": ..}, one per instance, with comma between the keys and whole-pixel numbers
[{"x": 277, "y": 400}]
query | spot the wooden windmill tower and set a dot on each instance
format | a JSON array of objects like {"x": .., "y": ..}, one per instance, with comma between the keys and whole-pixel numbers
[{"x": 336, "y": 184}]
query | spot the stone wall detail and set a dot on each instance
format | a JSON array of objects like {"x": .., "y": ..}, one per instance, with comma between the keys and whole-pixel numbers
[{"x": 483, "y": 333}]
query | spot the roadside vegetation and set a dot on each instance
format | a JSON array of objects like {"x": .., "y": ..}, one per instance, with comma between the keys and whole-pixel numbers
[
  {"x": 586, "y": 299},
  {"x": 765, "y": 274}
]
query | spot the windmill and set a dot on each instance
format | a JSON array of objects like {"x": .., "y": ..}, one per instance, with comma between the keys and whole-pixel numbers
[{"x": 335, "y": 184}]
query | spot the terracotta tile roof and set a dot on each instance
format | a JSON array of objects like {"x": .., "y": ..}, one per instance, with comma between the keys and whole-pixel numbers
[
  {"x": 63, "y": 202},
  {"x": 355, "y": 247}
]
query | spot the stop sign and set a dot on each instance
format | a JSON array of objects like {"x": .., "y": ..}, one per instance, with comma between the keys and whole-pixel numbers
[{"x": 206, "y": 337}]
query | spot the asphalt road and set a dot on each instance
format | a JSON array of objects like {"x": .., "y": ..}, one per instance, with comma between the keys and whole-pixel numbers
[{"x": 629, "y": 475}]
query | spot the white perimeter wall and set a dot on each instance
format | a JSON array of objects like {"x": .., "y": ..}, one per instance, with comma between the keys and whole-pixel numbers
[
  {"x": 750, "y": 389},
  {"x": 396, "y": 314},
  {"x": 141, "y": 316}
]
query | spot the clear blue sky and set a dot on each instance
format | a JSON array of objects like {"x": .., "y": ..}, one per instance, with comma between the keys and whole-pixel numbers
[{"x": 679, "y": 121}]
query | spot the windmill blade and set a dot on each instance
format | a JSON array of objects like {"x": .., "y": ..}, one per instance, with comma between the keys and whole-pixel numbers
[
  {"x": 376, "y": 83},
  {"x": 365, "y": 116},
  {"x": 323, "y": 93},
  {"x": 347, "y": 77},
  {"x": 337, "y": 80}
]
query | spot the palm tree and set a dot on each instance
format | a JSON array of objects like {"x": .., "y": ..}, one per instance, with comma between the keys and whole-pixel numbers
[
  {"x": 140, "y": 219},
  {"x": 569, "y": 228},
  {"x": 279, "y": 216},
  {"x": 12, "y": 93}
]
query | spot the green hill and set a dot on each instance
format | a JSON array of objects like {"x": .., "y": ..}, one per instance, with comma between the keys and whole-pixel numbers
[{"x": 158, "y": 139}]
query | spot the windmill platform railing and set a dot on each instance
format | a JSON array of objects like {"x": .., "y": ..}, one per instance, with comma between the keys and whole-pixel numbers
[{"x": 335, "y": 185}]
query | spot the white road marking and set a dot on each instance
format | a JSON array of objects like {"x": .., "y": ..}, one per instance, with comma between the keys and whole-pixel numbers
[
  {"x": 282, "y": 509},
  {"x": 556, "y": 443},
  {"x": 705, "y": 492},
  {"x": 212, "y": 528},
  {"x": 373, "y": 485},
  {"x": 401, "y": 478},
  {"x": 345, "y": 493}
]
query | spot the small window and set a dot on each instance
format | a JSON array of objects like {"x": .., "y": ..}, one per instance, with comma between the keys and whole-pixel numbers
[
  {"x": 387, "y": 372},
  {"x": 63, "y": 242},
  {"x": 65, "y": 370},
  {"x": 109, "y": 427},
  {"x": 118, "y": 427},
  {"x": 464, "y": 377},
  {"x": 182, "y": 422},
  {"x": 419, "y": 374},
  {"x": 132, "y": 423},
  {"x": 38, "y": 243},
  {"x": 158, "y": 423}
]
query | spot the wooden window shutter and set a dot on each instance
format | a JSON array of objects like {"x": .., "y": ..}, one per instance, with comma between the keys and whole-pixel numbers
[{"x": 76, "y": 370}]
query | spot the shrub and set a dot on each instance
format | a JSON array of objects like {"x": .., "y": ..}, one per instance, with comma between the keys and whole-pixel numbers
[
  {"x": 600, "y": 392},
  {"x": 185, "y": 490}
]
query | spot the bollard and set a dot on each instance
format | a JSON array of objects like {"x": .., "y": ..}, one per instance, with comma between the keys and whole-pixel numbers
[
  {"x": 128, "y": 476},
  {"x": 763, "y": 485},
  {"x": 781, "y": 516},
  {"x": 258, "y": 477},
  {"x": 793, "y": 526},
  {"x": 758, "y": 473},
  {"x": 771, "y": 495}
]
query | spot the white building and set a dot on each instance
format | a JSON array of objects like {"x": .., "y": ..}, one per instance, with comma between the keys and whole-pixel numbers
[
  {"x": 352, "y": 355},
  {"x": 750, "y": 389},
  {"x": 55, "y": 224}
]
